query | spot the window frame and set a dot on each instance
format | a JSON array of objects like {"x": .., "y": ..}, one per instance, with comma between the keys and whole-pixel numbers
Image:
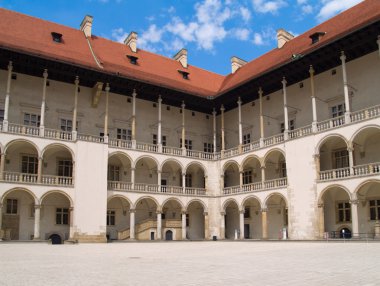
[{"x": 62, "y": 216}]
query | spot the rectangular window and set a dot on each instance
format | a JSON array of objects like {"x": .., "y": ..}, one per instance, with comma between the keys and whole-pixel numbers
[
  {"x": 155, "y": 141},
  {"x": 247, "y": 177},
  {"x": 187, "y": 220},
  {"x": 29, "y": 164},
  {"x": 291, "y": 125},
  {"x": 62, "y": 216},
  {"x": 32, "y": 119},
  {"x": 208, "y": 147},
  {"x": 65, "y": 168},
  {"x": 67, "y": 125},
  {"x": 247, "y": 212},
  {"x": 1, "y": 115},
  {"x": 338, "y": 110},
  {"x": 110, "y": 217},
  {"x": 246, "y": 138},
  {"x": 344, "y": 212},
  {"x": 374, "y": 209},
  {"x": 283, "y": 169},
  {"x": 340, "y": 159},
  {"x": 188, "y": 144},
  {"x": 188, "y": 180},
  {"x": 11, "y": 206},
  {"x": 113, "y": 173},
  {"x": 124, "y": 134}
]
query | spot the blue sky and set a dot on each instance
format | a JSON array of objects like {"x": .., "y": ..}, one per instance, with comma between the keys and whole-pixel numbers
[{"x": 211, "y": 30}]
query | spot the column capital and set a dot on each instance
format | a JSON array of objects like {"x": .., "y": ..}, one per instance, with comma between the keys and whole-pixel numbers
[
  {"x": 71, "y": 209},
  {"x": 205, "y": 213},
  {"x": 37, "y": 207},
  {"x": 241, "y": 211},
  {"x": 134, "y": 93},
  {"x": 183, "y": 105},
  {"x": 222, "y": 213},
  {"x": 159, "y": 98},
  {"x": 264, "y": 210},
  {"x": 107, "y": 89},
  {"x": 222, "y": 109},
  {"x": 321, "y": 205},
  {"x": 342, "y": 56},
  {"x": 76, "y": 81},
  {"x": 183, "y": 212},
  {"x": 260, "y": 91},
  {"x": 132, "y": 211},
  {"x": 183, "y": 174},
  {"x": 354, "y": 202},
  {"x": 311, "y": 70},
  {"x": 45, "y": 74},
  {"x": 159, "y": 171},
  {"x": 350, "y": 149},
  {"x": 10, "y": 66},
  {"x": 284, "y": 82},
  {"x": 158, "y": 212},
  {"x": 133, "y": 169},
  {"x": 213, "y": 111},
  {"x": 316, "y": 156},
  {"x": 239, "y": 102}
]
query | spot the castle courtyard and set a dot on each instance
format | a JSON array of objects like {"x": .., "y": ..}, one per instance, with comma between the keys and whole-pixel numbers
[{"x": 191, "y": 263}]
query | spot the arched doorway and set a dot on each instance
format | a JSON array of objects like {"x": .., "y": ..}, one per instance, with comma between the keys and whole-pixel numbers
[
  {"x": 168, "y": 235},
  {"x": 119, "y": 172},
  {"x": 231, "y": 219},
  {"x": 275, "y": 165},
  {"x": 277, "y": 216},
  {"x": 146, "y": 219},
  {"x": 195, "y": 221},
  {"x": 55, "y": 239},
  {"x": 118, "y": 218},
  {"x": 171, "y": 177},
  {"x": 231, "y": 175},
  {"x": 146, "y": 171},
  {"x": 252, "y": 219},
  {"x": 57, "y": 166},
  {"x": 172, "y": 218}
]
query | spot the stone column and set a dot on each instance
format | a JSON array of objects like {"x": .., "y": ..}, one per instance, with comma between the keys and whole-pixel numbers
[
  {"x": 132, "y": 224},
  {"x": 317, "y": 163},
  {"x": 241, "y": 223},
  {"x": 159, "y": 131},
  {"x": 159, "y": 225},
  {"x": 106, "y": 114},
  {"x": 159, "y": 172},
  {"x": 262, "y": 175},
  {"x": 261, "y": 117},
  {"x": 313, "y": 100},
  {"x": 286, "y": 116},
  {"x": 71, "y": 219},
  {"x": 43, "y": 104},
  {"x": 183, "y": 225},
  {"x": 321, "y": 220},
  {"x": 222, "y": 225},
  {"x": 264, "y": 223},
  {"x": 241, "y": 178},
  {"x": 214, "y": 129},
  {"x": 133, "y": 177},
  {"x": 184, "y": 182},
  {"x": 240, "y": 125},
  {"x": 134, "y": 94},
  {"x": 39, "y": 170},
  {"x": 207, "y": 232},
  {"x": 7, "y": 95},
  {"x": 354, "y": 218},
  {"x": 350, "y": 150},
  {"x": 73, "y": 174},
  {"x": 75, "y": 110},
  {"x": 347, "y": 114},
  {"x": 183, "y": 129},
  {"x": 2, "y": 164},
  {"x": 37, "y": 220},
  {"x": 222, "y": 109}
]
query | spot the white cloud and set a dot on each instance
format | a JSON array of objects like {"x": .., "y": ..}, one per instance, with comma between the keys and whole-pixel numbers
[
  {"x": 333, "y": 7},
  {"x": 307, "y": 9},
  {"x": 241, "y": 34},
  {"x": 151, "y": 36},
  {"x": 301, "y": 2},
  {"x": 263, "y": 6},
  {"x": 184, "y": 31},
  {"x": 245, "y": 13},
  {"x": 258, "y": 39},
  {"x": 119, "y": 35}
]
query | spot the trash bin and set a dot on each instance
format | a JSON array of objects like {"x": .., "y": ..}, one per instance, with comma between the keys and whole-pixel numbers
[{"x": 214, "y": 238}]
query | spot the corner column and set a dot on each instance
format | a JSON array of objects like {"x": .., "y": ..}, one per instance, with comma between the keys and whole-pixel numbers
[
  {"x": 106, "y": 114},
  {"x": 321, "y": 220},
  {"x": 207, "y": 232},
  {"x": 71, "y": 218},
  {"x": 264, "y": 223},
  {"x": 43, "y": 104},
  {"x": 261, "y": 118},
  {"x": 354, "y": 218},
  {"x": 183, "y": 183},
  {"x": 222, "y": 225},
  {"x": 75, "y": 110},
  {"x": 159, "y": 127},
  {"x": 241, "y": 224},
  {"x": 132, "y": 224},
  {"x": 183, "y": 225},
  {"x": 313, "y": 101},
  {"x": 37, "y": 221},
  {"x": 286, "y": 116},
  {"x": 159, "y": 225},
  {"x": 7, "y": 95},
  {"x": 347, "y": 114}
]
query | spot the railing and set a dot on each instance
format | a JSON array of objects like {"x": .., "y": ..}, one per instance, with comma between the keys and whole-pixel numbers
[
  {"x": 172, "y": 151},
  {"x": 334, "y": 174},
  {"x": 361, "y": 170},
  {"x": 146, "y": 147},
  {"x": 367, "y": 169},
  {"x": 200, "y": 154},
  {"x": 146, "y": 188},
  {"x": 23, "y": 129},
  {"x": 119, "y": 185},
  {"x": 364, "y": 114},
  {"x": 258, "y": 186},
  {"x": 299, "y": 132},
  {"x": 57, "y": 180},
  {"x": 231, "y": 152},
  {"x": 195, "y": 191},
  {"x": 274, "y": 140},
  {"x": 20, "y": 177},
  {"x": 123, "y": 234},
  {"x": 330, "y": 123},
  {"x": 126, "y": 144},
  {"x": 90, "y": 138},
  {"x": 57, "y": 134},
  {"x": 250, "y": 146}
]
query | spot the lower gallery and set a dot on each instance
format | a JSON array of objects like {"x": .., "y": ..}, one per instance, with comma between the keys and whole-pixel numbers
[{"x": 104, "y": 141}]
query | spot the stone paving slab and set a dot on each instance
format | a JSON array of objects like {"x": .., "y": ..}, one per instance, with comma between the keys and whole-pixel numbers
[{"x": 191, "y": 263}]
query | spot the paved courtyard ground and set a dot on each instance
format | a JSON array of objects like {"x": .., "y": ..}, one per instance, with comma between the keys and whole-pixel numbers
[{"x": 191, "y": 263}]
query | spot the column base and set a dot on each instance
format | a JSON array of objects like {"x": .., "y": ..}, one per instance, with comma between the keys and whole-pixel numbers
[
  {"x": 88, "y": 238},
  {"x": 5, "y": 126}
]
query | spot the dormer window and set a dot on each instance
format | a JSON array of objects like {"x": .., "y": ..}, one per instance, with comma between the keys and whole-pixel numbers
[
  {"x": 316, "y": 37},
  {"x": 132, "y": 59},
  {"x": 57, "y": 37},
  {"x": 184, "y": 74}
]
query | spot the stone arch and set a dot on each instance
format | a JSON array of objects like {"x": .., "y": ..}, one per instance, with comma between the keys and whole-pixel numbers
[
  {"x": 227, "y": 202},
  {"x": 199, "y": 164},
  {"x": 366, "y": 143},
  {"x": 320, "y": 200},
  {"x": 269, "y": 152},
  {"x": 120, "y": 197},
  {"x": 57, "y": 192},
  {"x": 122, "y": 154},
  {"x": 327, "y": 138},
  {"x": 363, "y": 128},
  {"x": 205, "y": 209},
  {"x": 145, "y": 157},
  {"x": 249, "y": 198},
  {"x": 265, "y": 205},
  {"x": 146, "y": 170},
  {"x": 158, "y": 206},
  {"x": 173, "y": 199},
  {"x": 58, "y": 145},
  {"x": 246, "y": 159},
  {"x": 11, "y": 143},
  {"x": 36, "y": 201},
  {"x": 229, "y": 163},
  {"x": 171, "y": 160},
  {"x": 363, "y": 184}
]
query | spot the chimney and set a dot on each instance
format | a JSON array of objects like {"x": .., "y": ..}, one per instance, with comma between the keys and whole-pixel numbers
[
  {"x": 181, "y": 57},
  {"x": 86, "y": 25},
  {"x": 131, "y": 41},
  {"x": 283, "y": 37},
  {"x": 236, "y": 63}
]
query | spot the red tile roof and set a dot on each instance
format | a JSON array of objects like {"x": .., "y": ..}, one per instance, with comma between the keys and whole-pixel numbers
[{"x": 33, "y": 36}]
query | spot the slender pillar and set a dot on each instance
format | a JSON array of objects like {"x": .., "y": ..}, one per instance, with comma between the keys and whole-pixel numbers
[
  {"x": 262, "y": 174},
  {"x": 132, "y": 224},
  {"x": 39, "y": 170},
  {"x": 43, "y": 104},
  {"x": 2, "y": 164},
  {"x": 134, "y": 94},
  {"x": 183, "y": 225},
  {"x": 214, "y": 129},
  {"x": 133, "y": 172},
  {"x": 261, "y": 117},
  {"x": 321, "y": 220},
  {"x": 241, "y": 178},
  {"x": 207, "y": 232},
  {"x": 159, "y": 172},
  {"x": 350, "y": 150},
  {"x": 240, "y": 125},
  {"x": 264, "y": 223},
  {"x": 183, "y": 127},
  {"x": 241, "y": 224},
  {"x": 222, "y": 225},
  {"x": 222, "y": 109},
  {"x": 71, "y": 219},
  {"x": 184, "y": 182},
  {"x": 73, "y": 173},
  {"x": 75, "y": 110},
  {"x": 313, "y": 101},
  {"x": 7, "y": 95},
  {"x": 354, "y": 218},
  {"x": 345, "y": 89},
  {"x": 286, "y": 116},
  {"x": 37, "y": 220},
  {"x": 159, "y": 126},
  {"x": 159, "y": 225},
  {"x": 106, "y": 114}
]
